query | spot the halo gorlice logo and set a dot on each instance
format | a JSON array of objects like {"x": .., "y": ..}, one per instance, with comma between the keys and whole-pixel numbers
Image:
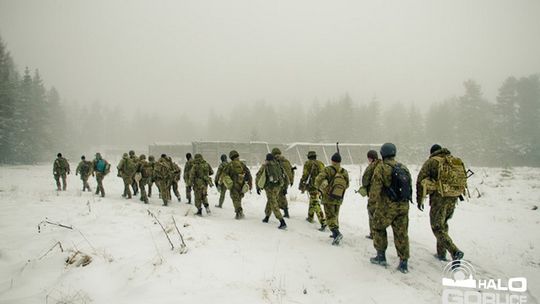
[{"x": 461, "y": 286}]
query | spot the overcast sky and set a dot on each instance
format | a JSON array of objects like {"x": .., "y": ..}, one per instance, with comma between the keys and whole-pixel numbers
[{"x": 201, "y": 54}]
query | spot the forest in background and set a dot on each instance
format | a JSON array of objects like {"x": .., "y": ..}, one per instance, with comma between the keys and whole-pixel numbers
[{"x": 35, "y": 123}]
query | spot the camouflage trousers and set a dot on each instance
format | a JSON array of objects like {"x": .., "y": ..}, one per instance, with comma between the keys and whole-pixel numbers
[
  {"x": 188, "y": 193},
  {"x": 315, "y": 207},
  {"x": 371, "y": 206},
  {"x": 175, "y": 189},
  {"x": 332, "y": 215},
  {"x": 201, "y": 196},
  {"x": 395, "y": 215},
  {"x": 164, "y": 187},
  {"x": 134, "y": 186},
  {"x": 271, "y": 202},
  {"x": 442, "y": 209},
  {"x": 282, "y": 198},
  {"x": 222, "y": 190},
  {"x": 128, "y": 181},
  {"x": 99, "y": 179},
  {"x": 142, "y": 186},
  {"x": 84, "y": 179},
  {"x": 57, "y": 178},
  {"x": 236, "y": 197},
  {"x": 150, "y": 183}
]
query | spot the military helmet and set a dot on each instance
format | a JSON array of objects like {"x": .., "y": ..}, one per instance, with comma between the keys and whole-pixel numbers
[
  {"x": 131, "y": 152},
  {"x": 142, "y": 156},
  {"x": 388, "y": 150},
  {"x": 223, "y": 157},
  {"x": 435, "y": 148},
  {"x": 198, "y": 156},
  {"x": 311, "y": 155},
  {"x": 163, "y": 155},
  {"x": 59, "y": 155},
  {"x": 233, "y": 154},
  {"x": 98, "y": 155},
  {"x": 83, "y": 157},
  {"x": 151, "y": 158},
  {"x": 124, "y": 155},
  {"x": 276, "y": 151}
]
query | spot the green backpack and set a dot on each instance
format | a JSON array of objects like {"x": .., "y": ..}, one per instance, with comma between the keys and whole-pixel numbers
[
  {"x": 337, "y": 186},
  {"x": 274, "y": 174},
  {"x": 237, "y": 172},
  {"x": 452, "y": 181}
]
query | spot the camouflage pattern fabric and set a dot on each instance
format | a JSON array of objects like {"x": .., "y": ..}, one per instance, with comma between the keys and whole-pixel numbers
[
  {"x": 236, "y": 191},
  {"x": 219, "y": 183},
  {"x": 325, "y": 178},
  {"x": 271, "y": 202},
  {"x": 84, "y": 169},
  {"x": 126, "y": 170},
  {"x": 187, "y": 170},
  {"x": 60, "y": 170},
  {"x": 332, "y": 215},
  {"x": 366, "y": 183},
  {"x": 389, "y": 213},
  {"x": 315, "y": 208},
  {"x": 100, "y": 175},
  {"x": 199, "y": 176},
  {"x": 135, "y": 160},
  {"x": 289, "y": 174},
  {"x": 312, "y": 168},
  {"x": 162, "y": 174}
]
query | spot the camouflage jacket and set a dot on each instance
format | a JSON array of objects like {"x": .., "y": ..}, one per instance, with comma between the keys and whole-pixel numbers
[
  {"x": 85, "y": 168},
  {"x": 162, "y": 169},
  {"x": 325, "y": 178},
  {"x": 217, "y": 178},
  {"x": 237, "y": 182},
  {"x": 287, "y": 168},
  {"x": 312, "y": 168},
  {"x": 368, "y": 174},
  {"x": 187, "y": 170},
  {"x": 176, "y": 171},
  {"x": 145, "y": 168},
  {"x": 61, "y": 166},
  {"x": 199, "y": 175},
  {"x": 126, "y": 167}
]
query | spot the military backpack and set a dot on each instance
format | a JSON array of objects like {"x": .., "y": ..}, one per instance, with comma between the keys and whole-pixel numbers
[
  {"x": 337, "y": 185},
  {"x": 400, "y": 189},
  {"x": 85, "y": 167},
  {"x": 452, "y": 177}
]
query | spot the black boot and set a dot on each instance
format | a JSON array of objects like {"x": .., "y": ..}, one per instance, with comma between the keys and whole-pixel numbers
[
  {"x": 323, "y": 227},
  {"x": 456, "y": 259},
  {"x": 265, "y": 219},
  {"x": 337, "y": 237},
  {"x": 199, "y": 212},
  {"x": 379, "y": 259},
  {"x": 286, "y": 212},
  {"x": 282, "y": 224},
  {"x": 441, "y": 257},
  {"x": 403, "y": 266}
]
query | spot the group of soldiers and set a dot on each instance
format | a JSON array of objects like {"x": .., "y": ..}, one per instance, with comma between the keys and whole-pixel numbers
[
  {"x": 324, "y": 185},
  {"x": 385, "y": 210}
]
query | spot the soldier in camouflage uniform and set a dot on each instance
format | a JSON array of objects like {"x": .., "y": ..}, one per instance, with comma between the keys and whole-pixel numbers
[
  {"x": 135, "y": 179},
  {"x": 374, "y": 161},
  {"x": 289, "y": 172},
  {"x": 270, "y": 177},
  {"x": 199, "y": 176},
  {"x": 388, "y": 212},
  {"x": 60, "y": 169},
  {"x": 325, "y": 182},
  {"x": 442, "y": 208},
  {"x": 176, "y": 173},
  {"x": 219, "y": 182},
  {"x": 152, "y": 162},
  {"x": 241, "y": 179},
  {"x": 145, "y": 169},
  {"x": 162, "y": 177},
  {"x": 100, "y": 168},
  {"x": 85, "y": 170},
  {"x": 187, "y": 170},
  {"x": 312, "y": 168},
  {"x": 126, "y": 170}
]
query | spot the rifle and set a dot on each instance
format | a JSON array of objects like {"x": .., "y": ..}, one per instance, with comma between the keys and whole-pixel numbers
[{"x": 337, "y": 147}]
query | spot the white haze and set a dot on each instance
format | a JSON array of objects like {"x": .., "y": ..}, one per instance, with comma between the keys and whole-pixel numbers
[{"x": 191, "y": 56}]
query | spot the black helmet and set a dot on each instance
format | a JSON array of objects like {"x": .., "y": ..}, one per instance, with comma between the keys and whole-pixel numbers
[
  {"x": 269, "y": 157},
  {"x": 223, "y": 157},
  {"x": 434, "y": 148},
  {"x": 83, "y": 157},
  {"x": 388, "y": 150}
]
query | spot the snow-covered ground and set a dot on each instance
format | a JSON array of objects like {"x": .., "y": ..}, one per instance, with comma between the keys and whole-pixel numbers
[{"x": 246, "y": 261}]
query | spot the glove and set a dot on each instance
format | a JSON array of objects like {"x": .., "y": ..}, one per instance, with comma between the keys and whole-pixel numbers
[
  {"x": 420, "y": 206},
  {"x": 258, "y": 191}
]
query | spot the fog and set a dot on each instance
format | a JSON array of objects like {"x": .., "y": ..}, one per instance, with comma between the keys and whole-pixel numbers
[{"x": 164, "y": 61}]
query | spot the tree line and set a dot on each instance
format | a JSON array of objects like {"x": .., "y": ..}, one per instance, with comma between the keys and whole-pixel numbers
[{"x": 35, "y": 123}]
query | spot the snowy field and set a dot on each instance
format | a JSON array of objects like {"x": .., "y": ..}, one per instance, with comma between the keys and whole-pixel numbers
[{"x": 246, "y": 261}]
